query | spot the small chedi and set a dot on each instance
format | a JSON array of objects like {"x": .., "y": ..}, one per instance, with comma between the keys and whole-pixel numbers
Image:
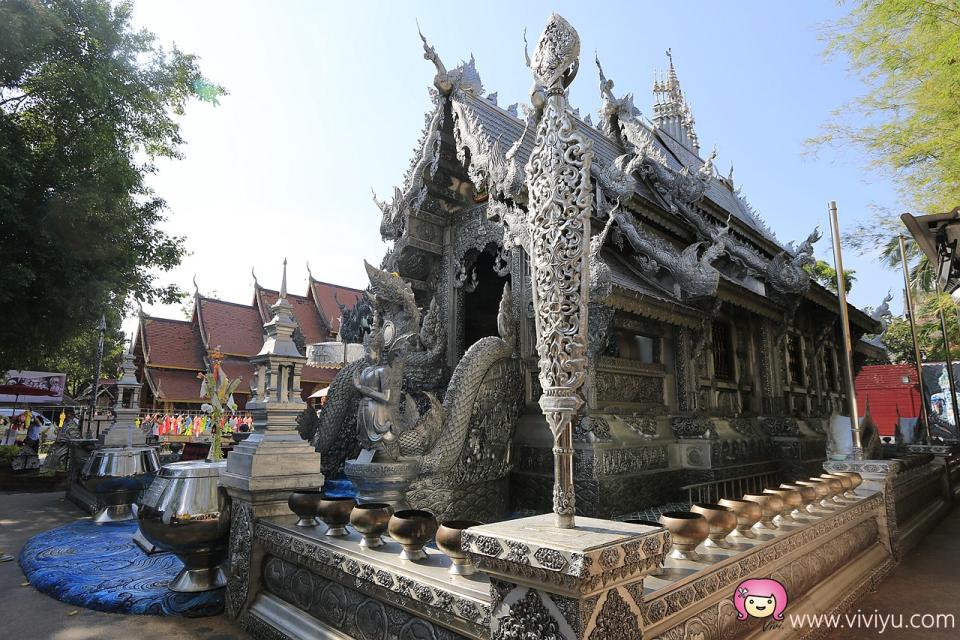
[{"x": 710, "y": 353}]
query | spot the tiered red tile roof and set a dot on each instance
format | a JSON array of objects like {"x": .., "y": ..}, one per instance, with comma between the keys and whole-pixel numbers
[{"x": 170, "y": 354}]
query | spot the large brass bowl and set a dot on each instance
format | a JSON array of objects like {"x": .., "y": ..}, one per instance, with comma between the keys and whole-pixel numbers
[
  {"x": 720, "y": 519},
  {"x": 449, "y": 535},
  {"x": 791, "y": 500},
  {"x": 370, "y": 519},
  {"x": 412, "y": 528},
  {"x": 305, "y": 503},
  {"x": 748, "y": 514},
  {"x": 770, "y": 508},
  {"x": 687, "y": 530},
  {"x": 335, "y": 513}
]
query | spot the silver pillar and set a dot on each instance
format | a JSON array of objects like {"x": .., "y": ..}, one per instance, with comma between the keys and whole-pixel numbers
[
  {"x": 908, "y": 296},
  {"x": 560, "y": 201},
  {"x": 847, "y": 342}
]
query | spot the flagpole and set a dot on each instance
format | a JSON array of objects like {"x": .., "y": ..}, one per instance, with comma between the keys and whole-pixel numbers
[
  {"x": 924, "y": 412},
  {"x": 845, "y": 326}
]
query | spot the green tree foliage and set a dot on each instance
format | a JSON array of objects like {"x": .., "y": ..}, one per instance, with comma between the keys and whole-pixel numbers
[
  {"x": 86, "y": 104},
  {"x": 77, "y": 356},
  {"x": 880, "y": 236},
  {"x": 907, "y": 52},
  {"x": 899, "y": 342},
  {"x": 826, "y": 275}
]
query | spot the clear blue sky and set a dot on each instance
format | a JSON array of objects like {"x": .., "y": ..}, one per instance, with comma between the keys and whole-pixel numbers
[{"x": 327, "y": 101}]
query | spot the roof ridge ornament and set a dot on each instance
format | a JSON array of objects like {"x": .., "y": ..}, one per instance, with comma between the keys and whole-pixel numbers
[{"x": 442, "y": 80}]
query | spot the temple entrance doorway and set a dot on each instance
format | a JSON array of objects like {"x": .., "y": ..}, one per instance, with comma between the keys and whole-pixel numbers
[{"x": 482, "y": 302}]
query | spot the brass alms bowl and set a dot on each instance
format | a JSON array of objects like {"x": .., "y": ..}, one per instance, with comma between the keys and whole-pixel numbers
[
  {"x": 748, "y": 514},
  {"x": 836, "y": 489},
  {"x": 770, "y": 508},
  {"x": 370, "y": 519},
  {"x": 808, "y": 496},
  {"x": 720, "y": 519},
  {"x": 856, "y": 477},
  {"x": 412, "y": 528},
  {"x": 687, "y": 530},
  {"x": 449, "y": 541},
  {"x": 306, "y": 504},
  {"x": 791, "y": 500},
  {"x": 335, "y": 513},
  {"x": 823, "y": 493},
  {"x": 846, "y": 482}
]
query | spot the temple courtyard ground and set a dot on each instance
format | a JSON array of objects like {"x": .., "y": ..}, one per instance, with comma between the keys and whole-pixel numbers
[
  {"x": 926, "y": 582},
  {"x": 26, "y": 614}
]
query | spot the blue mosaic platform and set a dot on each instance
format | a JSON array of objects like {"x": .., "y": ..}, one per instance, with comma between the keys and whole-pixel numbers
[{"x": 99, "y": 567}]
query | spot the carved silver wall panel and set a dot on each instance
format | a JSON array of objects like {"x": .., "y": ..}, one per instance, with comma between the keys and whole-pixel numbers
[
  {"x": 241, "y": 548},
  {"x": 347, "y": 610}
]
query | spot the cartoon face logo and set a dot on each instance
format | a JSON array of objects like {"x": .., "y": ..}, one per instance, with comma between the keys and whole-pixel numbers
[{"x": 760, "y": 599}]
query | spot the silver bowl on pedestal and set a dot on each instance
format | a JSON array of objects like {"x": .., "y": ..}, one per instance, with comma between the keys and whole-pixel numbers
[
  {"x": 186, "y": 511},
  {"x": 383, "y": 481},
  {"x": 117, "y": 476}
]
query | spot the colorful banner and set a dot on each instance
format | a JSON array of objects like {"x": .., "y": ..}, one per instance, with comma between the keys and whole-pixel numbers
[{"x": 32, "y": 387}]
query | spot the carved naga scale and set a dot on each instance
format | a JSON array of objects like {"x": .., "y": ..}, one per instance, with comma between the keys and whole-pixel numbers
[{"x": 560, "y": 199}]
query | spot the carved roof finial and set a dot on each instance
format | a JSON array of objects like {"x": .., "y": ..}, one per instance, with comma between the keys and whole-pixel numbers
[
  {"x": 441, "y": 80},
  {"x": 283, "y": 282},
  {"x": 309, "y": 272},
  {"x": 556, "y": 57},
  {"x": 196, "y": 289},
  {"x": 254, "y": 274}
]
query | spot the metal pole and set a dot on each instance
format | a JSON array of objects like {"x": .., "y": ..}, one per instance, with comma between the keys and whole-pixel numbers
[
  {"x": 949, "y": 360},
  {"x": 847, "y": 342},
  {"x": 102, "y": 328},
  {"x": 924, "y": 413}
]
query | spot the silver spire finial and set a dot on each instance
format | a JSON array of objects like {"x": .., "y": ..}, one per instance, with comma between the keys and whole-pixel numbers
[{"x": 283, "y": 282}]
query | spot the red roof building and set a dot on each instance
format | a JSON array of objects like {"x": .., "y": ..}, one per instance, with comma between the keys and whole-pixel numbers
[
  {"x": 892, "y": 392},
  {"x": 171, "y": 354}
]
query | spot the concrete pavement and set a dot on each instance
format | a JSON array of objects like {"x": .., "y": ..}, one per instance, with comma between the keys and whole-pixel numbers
[
  {"x": 926, "y": 582},
  {"x": 26, "y": 614}
]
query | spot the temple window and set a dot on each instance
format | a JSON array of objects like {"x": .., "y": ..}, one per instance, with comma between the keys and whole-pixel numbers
[
  {"x": 641, "y": 348},
  {"x": 722, "y": 351},
  {"x": 795, "y": 359},
  {"x": 830, "y": 369}
]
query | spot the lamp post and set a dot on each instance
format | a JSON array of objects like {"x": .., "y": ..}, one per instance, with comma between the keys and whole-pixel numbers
[
  {"x": 847, "y": 342},
  {"x": 908, "y": 296},
  {"x": 102, "y": 328}
]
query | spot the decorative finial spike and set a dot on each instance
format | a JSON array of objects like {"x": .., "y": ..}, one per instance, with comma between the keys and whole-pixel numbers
[
  {"x": 254, "y": 274},
  {"x": 283, "y": 282},
  {"x": 309, "y": 272},
  {"x": 196, "y": 289}
]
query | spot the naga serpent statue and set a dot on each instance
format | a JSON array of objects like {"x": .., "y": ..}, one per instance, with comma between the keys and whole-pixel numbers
[{"x": 462, "y": 444}]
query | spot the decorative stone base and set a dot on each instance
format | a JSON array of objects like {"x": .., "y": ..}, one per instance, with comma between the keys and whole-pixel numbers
[{"x": 566, "y": 583}]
